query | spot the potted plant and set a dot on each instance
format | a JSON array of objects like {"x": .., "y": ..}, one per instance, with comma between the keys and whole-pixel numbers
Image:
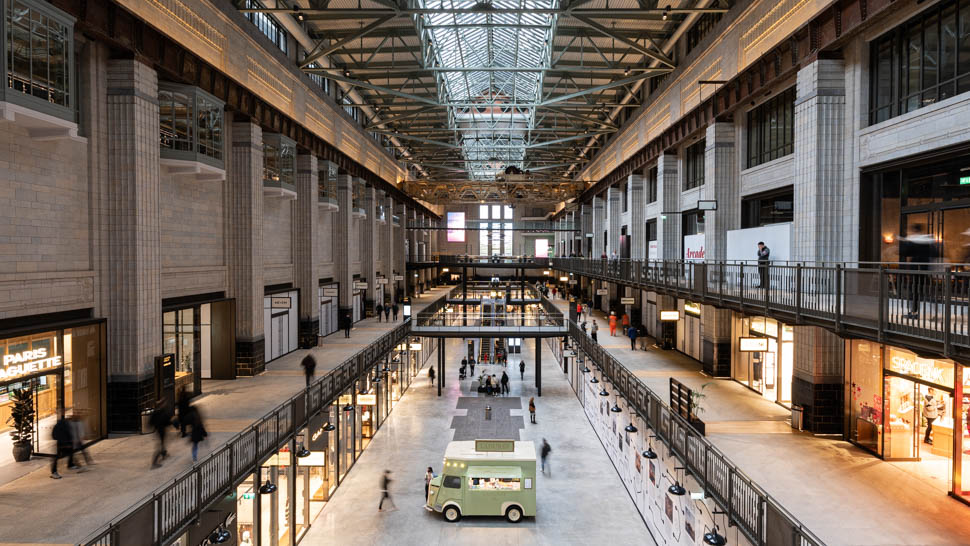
[
  {"x": 22, "y": 419},
  {"x": 697, "y": 407}
]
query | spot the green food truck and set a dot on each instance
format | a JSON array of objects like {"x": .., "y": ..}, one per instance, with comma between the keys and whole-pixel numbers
[{"x": 486, "y": 478}]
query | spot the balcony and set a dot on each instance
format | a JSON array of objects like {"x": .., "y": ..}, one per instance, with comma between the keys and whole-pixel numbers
[
  {"x": 357, "y": 199},
  {"x": 38, "y": 68},
  {"x": 279, "y": 166},
  {"x": 191, "y": 127}
]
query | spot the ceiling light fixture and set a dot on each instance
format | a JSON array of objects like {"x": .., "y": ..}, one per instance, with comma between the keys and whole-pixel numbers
[{"x": 666, "y": 12}]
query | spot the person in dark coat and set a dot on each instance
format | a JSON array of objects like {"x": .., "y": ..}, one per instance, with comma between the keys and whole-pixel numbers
[
  {"x": 183, "y": 408},
  {"x": 920, "y": 249},
  {"x": 394, "y": 310},
  {"x": 764, "y": 255},
  {"x": 522, "y": 369},
  {"x": 505, "y": 383},
  {"x": 632, "y": 333},
  {"x": 380, "y": 311},
  {"x": 309, "y": 367},
  {"x": 387, "y": 313},
  {"x": 161, "y": 418},
  {"x": 199, "y": 433},
  {"x": 65, "y": 445}
]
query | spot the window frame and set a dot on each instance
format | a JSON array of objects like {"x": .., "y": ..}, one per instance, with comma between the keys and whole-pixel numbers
[
  {"x": 770, "y": 131},
  {"x": 694, "y": 165},
  {"x": 266, "y": 23},
  {"x": 66, "y": 111}
]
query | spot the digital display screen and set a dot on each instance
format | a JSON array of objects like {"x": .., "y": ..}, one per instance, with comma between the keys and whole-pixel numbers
[
  {"x": 456, "y": 227},
  {"x": 542, "y": 248}
]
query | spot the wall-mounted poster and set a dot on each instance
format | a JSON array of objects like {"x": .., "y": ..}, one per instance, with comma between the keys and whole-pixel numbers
[
  {"x": 669, "y": 508},
  {"x": 653, "y": 472},
  {"x": 689, "y": 522},
  {"x": 636, "y": 462},
  {"x": 456, "y": 227}
]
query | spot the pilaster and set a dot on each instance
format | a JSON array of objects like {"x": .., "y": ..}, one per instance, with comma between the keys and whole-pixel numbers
[
  {"x": 614, "y": 197},
  {"x": 305, "y": 235},
  {"x": 638, "y": 228},
  {"x": 134, "y": 300},
  {"x": 245, "y": 227},
  {"x": 668, "y": 190},
  {"x": 598, "y": 225}
]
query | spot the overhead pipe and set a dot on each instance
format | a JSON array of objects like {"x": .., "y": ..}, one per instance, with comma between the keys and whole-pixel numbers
[
  {"x": 667, "y": 48},
  {"x": 292, "y": 26}
]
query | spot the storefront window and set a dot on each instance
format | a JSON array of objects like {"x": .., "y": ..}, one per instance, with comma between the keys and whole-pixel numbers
[
  {"x": 768, "y": 372},
  {"x": 187, "y": 333},
  {"x": 274, "y": 525},
  {"x": 348, "y": 433},
  {"x": 245, "y": 508},
  {"x": 66, "y": 371},
  {"x": 865, "y": 395}
]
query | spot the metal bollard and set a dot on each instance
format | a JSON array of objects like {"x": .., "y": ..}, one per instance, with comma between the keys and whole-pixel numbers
[{"x": 488, "y": 413}]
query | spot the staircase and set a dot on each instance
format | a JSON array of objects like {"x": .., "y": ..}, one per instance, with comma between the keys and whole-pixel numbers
[
  {"x": 484, "y": 351},
  {"x": 500, "y": 349}
]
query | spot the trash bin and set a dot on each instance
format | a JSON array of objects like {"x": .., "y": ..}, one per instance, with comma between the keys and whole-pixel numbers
[
  {"x": 488, "y": 413},
  {"x": 146, "y": 421},
  {"x": 797, "y": 415}
]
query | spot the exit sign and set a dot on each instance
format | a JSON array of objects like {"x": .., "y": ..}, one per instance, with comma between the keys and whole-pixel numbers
[{"x": 965, "y": 180}]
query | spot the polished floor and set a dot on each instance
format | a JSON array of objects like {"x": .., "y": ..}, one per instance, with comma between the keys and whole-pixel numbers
[
  {"x": 581, "y": 501},
  {"x": 844, "y": 494}
]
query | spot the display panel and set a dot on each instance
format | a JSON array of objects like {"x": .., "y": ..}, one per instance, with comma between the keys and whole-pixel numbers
[
  {"x": 542, "y": 248},
  {"x": 456, "y": 227}
]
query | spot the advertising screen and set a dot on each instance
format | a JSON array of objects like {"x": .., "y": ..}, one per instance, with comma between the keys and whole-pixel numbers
[
  {"x": 542, "y": 248},
  {"x": 456, "y": 227}
]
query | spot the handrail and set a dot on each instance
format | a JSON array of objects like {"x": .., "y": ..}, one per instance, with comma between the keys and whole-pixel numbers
[
  {"x": 925, "y": 307},
  {"x": 745, "y": 503},
  {"x": 181, "y": 500}
]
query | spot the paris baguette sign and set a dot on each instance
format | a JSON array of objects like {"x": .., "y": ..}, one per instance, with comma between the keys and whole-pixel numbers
[{"x": 29, "y": 362}]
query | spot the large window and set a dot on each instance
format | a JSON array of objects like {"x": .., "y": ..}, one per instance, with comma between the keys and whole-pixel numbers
[
  {"x": 705, "y": 23},
  {"x": 925, "y": 60},
  {"x": 495, "y": 237},
  {"x": 768, "y": 208},
  {"x": 694, "y": 165},
  {"x": 267, "y": 25},
  {"x": 771, "y": 129},
  {"x": 39, "y": 54},
  {"x": 190, "y": 123},
  {"x": 652, "y": 184},
  {"x": 693, "y": 222}
]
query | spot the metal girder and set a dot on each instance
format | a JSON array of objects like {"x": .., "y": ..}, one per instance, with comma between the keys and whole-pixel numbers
[
  {"x": 655, "y": 53},
  {"x": 321, "y": 49},
  {"x": 484, "y": 9}
]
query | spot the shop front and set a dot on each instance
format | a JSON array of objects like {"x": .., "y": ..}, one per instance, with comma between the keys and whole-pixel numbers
[
  {"x": 904, "y": 407},
  {"x": 202, "y": 337},
  {"x": 329, "y": 297},
  {"x": 64, "y": 368},
  {"x": 764, "y": 356},
  {"x": 281, "y": 322},
  {"x": 689, "y": 329}
]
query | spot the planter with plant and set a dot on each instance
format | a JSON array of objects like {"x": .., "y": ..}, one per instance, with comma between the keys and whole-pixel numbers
[
  {"x": 697, "y": 407},
  {"x": 22, "y": 419}
]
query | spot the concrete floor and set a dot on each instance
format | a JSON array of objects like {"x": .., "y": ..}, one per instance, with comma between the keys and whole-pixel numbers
[
  {"x": 844, "y": 494},
  {"x": 121, "y": 476},
  {"x": 582, "y": 501}
]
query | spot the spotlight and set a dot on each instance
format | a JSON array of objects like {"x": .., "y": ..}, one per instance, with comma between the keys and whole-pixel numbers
[
  {"x": 666, "y": 13},
  {"x": 299, "y": 16},
  {"x": 714, "y": 538},
  {"x": 220, "y": 535},
  {"x": 267, "y": 488}
]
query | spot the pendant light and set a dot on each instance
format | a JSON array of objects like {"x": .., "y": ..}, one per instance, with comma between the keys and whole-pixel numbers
[
  {"x": 302, "y": 452},
  {"x": 329, "y": 427},
  {"x": 714, "y": 538},
  {"x": 267, "y": 488},
  {"x": 649, "y": 453},
  {"x": 604, "y": 392},
  {"x": 630, "y": 427},
  {"x": 220, "y": 535}
]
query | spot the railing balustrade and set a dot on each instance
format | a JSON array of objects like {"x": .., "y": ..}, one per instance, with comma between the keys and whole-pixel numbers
[
  {"x": 179, "y": 502},
  {"x": 759, "y": 516}
]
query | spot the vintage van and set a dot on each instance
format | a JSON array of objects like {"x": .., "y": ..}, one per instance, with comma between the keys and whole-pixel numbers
[{"x": 486, "y": 478}]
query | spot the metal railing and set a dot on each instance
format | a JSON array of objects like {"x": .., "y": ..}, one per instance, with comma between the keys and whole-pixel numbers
[
  {"x": 170, "y": 508},
  {"x": 925, "y": 306},
  {"x": 758, "y": 516}
]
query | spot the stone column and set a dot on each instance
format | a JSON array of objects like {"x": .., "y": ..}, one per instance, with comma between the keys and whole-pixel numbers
[
  {"x": 586, "y": 226},
  {"x": 638, "y": 226},
  {"x": 598, "y": 225},
  {"x": 669, "y": 226},
  {"x": 305, "y": 235},
  {"x": 133, "y": 265},
  {"x": 614, "y": 197},
  {"x": 369, "y": 250},
  {"x": 245, "y": 227},
  {"x": 819, "y": 222},
  {"x": 721, "y": 168},
  {"x": 343, "y": 230}
]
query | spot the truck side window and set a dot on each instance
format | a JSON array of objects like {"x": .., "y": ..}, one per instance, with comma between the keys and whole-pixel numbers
[{"x": 453, "y": 482}]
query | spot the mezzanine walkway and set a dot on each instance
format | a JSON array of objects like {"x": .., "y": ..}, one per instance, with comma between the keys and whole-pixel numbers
[
  {"x": 842, "y": 493},
  {"x": 583, "y": 500},
  {"x": 83, "y": 502}
]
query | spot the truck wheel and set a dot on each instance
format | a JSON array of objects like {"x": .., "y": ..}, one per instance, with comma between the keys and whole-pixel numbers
[
  {"x": 513, "y": 514},
  {"x": 452, "y": 513}
]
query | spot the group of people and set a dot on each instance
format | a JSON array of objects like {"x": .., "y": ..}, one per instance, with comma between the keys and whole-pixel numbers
[
  {"x": 387, "y": 311},
  {"x": 188, "y": 422},
  {"x": 68, "y": 433},
  {"x": 622, "y": 323}
]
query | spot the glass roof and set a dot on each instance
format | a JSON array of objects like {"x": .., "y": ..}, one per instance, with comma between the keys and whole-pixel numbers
[{"x": 494, "y": 102}]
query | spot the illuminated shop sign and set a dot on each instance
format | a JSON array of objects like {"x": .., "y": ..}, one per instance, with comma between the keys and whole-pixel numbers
[
  {"x": 753, "y": 344},
  {"x": 691, "y": 308},
  {"x": 669, "y": 316},
  {"x": 281, "y": 302},
  {"x": 28, "y": 362},
  {"x": 933, "y": 371}
]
